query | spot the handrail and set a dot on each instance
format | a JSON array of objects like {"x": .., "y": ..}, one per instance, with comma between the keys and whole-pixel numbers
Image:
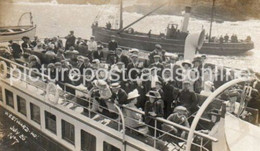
[
  {"x": 123, "y": 124},
  {"x": 124, "y": 106},
  {"x": 174, "y": 124},
  {"x": 209, "y": 100}
]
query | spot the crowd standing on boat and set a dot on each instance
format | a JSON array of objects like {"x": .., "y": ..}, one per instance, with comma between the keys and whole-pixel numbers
[{"x": 168, "y": 98}]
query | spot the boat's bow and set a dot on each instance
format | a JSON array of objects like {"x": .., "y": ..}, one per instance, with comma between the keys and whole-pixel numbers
[{"x": 241, "y": 135}]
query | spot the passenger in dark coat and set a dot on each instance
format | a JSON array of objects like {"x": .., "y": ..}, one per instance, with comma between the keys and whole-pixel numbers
[
  {"x": 188, "y": 98},
  {"x": 119, "y": 96},
  {"x": 157, "y": 51},
  {"x": 70, "y": 40},
  {"x": 26, "y": 46},
  {"x": 99, "y": 53},
  {"x": 121, "y": 57},
  {"x": 157, "y": 65},
  {"x": 16, "y": 49},
  {"x": 112, "y": 45},
  {"x": 153, "y": 108}
]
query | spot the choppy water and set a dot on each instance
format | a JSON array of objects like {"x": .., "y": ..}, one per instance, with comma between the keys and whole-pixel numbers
[{"x": 57, "y": 19}]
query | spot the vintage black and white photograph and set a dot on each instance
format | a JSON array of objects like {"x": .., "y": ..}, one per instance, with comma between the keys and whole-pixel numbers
[{"x": 129, "y": 75}]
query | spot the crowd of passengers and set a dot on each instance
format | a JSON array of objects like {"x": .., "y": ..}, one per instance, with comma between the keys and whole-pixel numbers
[{"x": 158, "y": 97}]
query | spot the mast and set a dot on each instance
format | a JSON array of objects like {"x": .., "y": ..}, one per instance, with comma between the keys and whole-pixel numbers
[
  {"x": 212, "y": 18},
  {"x": 149, "y": 13},
  {"x": 121, "y": 15}
]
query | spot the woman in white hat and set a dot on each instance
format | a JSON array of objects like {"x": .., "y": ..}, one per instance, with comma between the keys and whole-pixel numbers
[
  {"x": 101, "y": 93},
  {"x": 132, "y": 119}
]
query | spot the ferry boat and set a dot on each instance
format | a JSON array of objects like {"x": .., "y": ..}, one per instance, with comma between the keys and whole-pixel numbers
[
  {"x": 42, "y": 116},
  {"x": 173, "y": 41},
  {"x": 8, "y": 33}
]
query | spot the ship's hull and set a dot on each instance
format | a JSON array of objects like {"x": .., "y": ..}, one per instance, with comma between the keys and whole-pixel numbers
[
  {"x": 18, "y": 134},
  {"x": 143, "y": 42},
  {"x": 16, "y": 32}
]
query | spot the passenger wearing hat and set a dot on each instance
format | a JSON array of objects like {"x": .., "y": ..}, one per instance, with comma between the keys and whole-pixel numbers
[
  {"x": 99, "y": 53},
  {"x": 73, "y": 56},
  {"x": 135, "y": 64},
  {"x": 51, "y": 72},
  {"x": 92, "y": 45},
  {"x": 83, "y": 63},
  {"x": 157, "y": 64},
  {"x": 179, "y": 116},
  {"x": 153, "y": 108},
  {"x": 232, "y": 104},
  {"x": 122, "y": 57},
  {"x": 101, "y": 93},
  {"x": 26, "y": 46},
  {"x": 156, "y": 51},
  {"x": 112, "y": 45},
  {"x": 134, "y": 119},
  {"x": 111, "y": 58},
  {"x": 60, "y": 54},
  {"x": 133, "y": 51},
  {"x": 16, "y": 49},
  {"x": 119, "y": 96},
  {"x": 188, "y": 98},
  {"x": 95, "y": 64},
  {"x": 70, "y": 40}
]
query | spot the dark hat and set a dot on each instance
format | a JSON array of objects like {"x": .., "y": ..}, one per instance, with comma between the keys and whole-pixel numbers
[
  {"x": 25, "y": 37},
  {"x": 209, "y": 65},
  {"x": 203, "y": 56},
  {"x": 180, "y": 55},
  {"x": 197, "y": 59},
  {"x": 112, "y": 52},
  {"x": 233, "y": 93}
]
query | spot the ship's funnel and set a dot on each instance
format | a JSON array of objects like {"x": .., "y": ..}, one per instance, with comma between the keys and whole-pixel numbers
[
  {"x": 193, "y": 42},
  {"x": 185, "y": 23}
]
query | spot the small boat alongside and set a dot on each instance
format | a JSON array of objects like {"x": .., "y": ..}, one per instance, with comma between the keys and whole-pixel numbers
[
  {"x": 8, "y": 33},
  {"x": 172, "y": 41}
]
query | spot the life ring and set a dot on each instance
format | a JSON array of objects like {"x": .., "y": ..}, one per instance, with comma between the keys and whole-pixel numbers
[
  {"x": 52, "y": 93},
  {"x": 3, "y": 69}
]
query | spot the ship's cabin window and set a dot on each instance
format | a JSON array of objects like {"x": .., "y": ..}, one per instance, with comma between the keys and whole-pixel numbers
[
  {"x": 88, "y": 141},
  {"x": 21, "y": 105},
  {"x": 1, "y": 94},
  {"x": 50, "y": 122},
  {"x": 68, "y": 132},
  {"x": 109, "y": 147},
  {"x": 35, "y": 113},
  {"x": 9, "y": 98}
]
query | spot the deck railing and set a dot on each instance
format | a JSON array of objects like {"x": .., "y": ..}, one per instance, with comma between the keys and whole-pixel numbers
[{"x": 203, "y": 143}]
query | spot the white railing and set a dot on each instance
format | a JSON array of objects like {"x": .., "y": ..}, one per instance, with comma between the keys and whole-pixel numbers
[{"x": 156, "y": 140}]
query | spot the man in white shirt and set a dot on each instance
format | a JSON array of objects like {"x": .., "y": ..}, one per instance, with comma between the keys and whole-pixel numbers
[{"x": 92, "y": 44}]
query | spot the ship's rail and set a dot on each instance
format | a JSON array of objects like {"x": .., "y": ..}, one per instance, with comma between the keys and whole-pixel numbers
[{"x": 202, "y": 143}]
